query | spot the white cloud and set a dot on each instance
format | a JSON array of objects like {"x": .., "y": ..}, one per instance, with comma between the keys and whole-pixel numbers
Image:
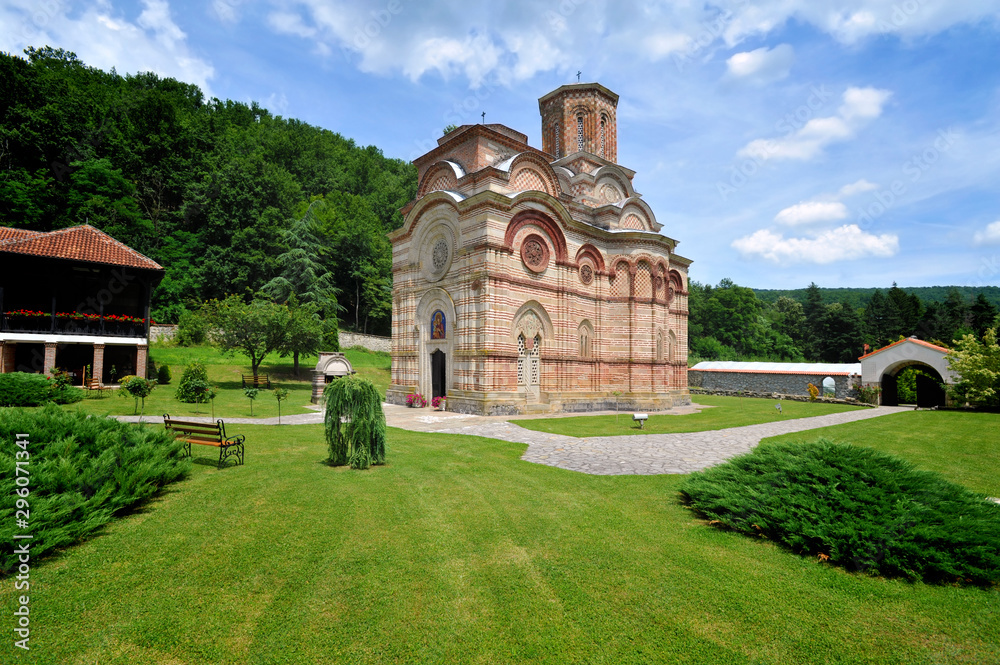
[
  {"x": 226, "y": 10},
  {"x": 860, "y": 105},
  {"x": 524, "y": 37},
  {"x": 761, "y": 65},
  {"x": 988, "y": 236},
  {"x": 811, "y": 212},
  {"x": 858, "y": 187},
  {"x": 845, "y": 243},
  {"x": 276, "y": 103},
  {"x": 863, "y": 103},
  {"x": 663, "y": 44},
  {"x": 102, "y": 37},
  {"x": 290, "y": 23}
]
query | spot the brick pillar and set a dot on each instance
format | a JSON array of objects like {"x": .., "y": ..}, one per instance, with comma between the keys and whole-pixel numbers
[
  {"x": 3, "y": 356},
  {"x": 97, "y": 367},
  {"x": 50, "y": 358},
  {"x": 140, "y": 361}
]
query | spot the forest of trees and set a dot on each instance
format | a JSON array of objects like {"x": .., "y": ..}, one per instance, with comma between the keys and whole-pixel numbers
[
  {"x": 233, "y": 200},
  {"x": 224, "y": 195},
  {"x": 730, "y": 322}
]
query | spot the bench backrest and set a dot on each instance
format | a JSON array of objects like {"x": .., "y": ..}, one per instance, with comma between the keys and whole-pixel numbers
[{"x": 205, "y": 431}]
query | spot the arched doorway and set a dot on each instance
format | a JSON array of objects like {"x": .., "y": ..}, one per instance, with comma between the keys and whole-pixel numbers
[
  {"x": 912, "y": 383},
  {"x": 439, "y": 374}
]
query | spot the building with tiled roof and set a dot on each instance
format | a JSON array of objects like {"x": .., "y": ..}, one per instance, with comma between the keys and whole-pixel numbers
[
  {"x": 74, "y": 299},
  {"x": 78, "y": 243}
]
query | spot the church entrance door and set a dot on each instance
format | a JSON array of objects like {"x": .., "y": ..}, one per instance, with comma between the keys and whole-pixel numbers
[
  {"x": 529, "y": 365},
  {"x": 438, "y": 374}
]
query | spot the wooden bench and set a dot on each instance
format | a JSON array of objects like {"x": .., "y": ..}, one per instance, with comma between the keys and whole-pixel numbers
[
  {"x": 206, "y": 434},
  {"x": 260, "y": 381},
  {"x": 95, "y": 384}
]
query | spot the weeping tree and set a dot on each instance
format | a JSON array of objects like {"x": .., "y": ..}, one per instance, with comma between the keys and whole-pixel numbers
[{"x": 355, "y": 423}]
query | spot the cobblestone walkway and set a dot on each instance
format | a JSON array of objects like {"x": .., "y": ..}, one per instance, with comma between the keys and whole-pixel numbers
[{"x": 647, "y": 454}]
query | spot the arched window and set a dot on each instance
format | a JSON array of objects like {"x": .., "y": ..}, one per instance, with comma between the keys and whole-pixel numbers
[
  {"x": 659, "y": 346},
  {"x": 534, "y": 354},
  {"x": 522, "y": 359},
  {"x": 558, "y": 142},
  {"x": 579, "y": 133},
  {"x": 604, "y": 121}
]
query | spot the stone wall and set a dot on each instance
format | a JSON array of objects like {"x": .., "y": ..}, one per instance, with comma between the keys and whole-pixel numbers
[
  {"x": 162, "y": 333},
  {"x": 761, "y": 382},
  {"x": 370, "y": 342}
]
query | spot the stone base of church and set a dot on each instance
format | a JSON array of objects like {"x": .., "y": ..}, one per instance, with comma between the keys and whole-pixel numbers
[{"x": 512, "y": 404}]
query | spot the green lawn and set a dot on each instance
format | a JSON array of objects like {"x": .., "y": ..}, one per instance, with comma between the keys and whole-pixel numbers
[
  {"x": 224, "y": 372},
  {"x": 726, "y": 412},
  {"x": 964, "y": 447},
  {"x": 458, "y": 552}
]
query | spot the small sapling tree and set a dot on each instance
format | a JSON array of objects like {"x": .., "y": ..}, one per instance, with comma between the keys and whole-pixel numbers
[
  {"x": 211, "y": 392},
  {"x": 138, "y": 388},
  {"x": 280, "y": 394},
  {"x": 251, "y": 394}
]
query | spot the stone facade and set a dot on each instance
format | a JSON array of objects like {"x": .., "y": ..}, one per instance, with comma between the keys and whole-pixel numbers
[
  {"x": 770, "y": 383},
  {"x": 537, "y": 280}
]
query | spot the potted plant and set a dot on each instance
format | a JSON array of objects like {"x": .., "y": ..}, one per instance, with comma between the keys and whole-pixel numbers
[
  {"x": 416, "y": 400},
  {"x": 439, "y": 402}
]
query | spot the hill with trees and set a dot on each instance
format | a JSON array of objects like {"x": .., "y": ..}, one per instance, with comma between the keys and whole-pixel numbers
[
  {"x": 226, "y": 196},
  {"x": 859, "y": 297},
  {"x": 731, "y": 322},
  {"x": 231, "y": 199}
]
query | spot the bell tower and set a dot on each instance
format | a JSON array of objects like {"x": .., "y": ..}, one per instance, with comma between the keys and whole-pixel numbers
[{"x": 580, "y": 117}]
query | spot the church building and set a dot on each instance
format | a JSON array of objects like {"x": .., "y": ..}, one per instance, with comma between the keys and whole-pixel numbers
[{"x": 529, "y": 280}]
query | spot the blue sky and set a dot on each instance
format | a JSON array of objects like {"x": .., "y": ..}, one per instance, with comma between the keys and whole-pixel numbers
[{"x": 851, "y": 143}]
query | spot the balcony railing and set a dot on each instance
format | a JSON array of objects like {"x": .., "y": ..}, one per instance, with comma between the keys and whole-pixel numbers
[{"x": 72, "y": 324}]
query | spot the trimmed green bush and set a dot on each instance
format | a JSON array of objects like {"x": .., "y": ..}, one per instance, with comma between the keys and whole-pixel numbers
[
  {"x": 193, "y": 385},
  {"x": 191, "y": 328},
  {"x": 82, "y": 471},
  {"x": 355, "y": 423},
  {"x": 163, "y": 375},
  {"x": 865, "y": 510},
  {"x": 61, "y": 390},
  {"x": 24, "y": 389}
]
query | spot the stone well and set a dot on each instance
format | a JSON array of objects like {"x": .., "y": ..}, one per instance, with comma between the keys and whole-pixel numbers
[{"x": 330, "y": 366}]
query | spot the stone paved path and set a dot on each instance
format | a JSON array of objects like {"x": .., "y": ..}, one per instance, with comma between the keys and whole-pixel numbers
[
  {"x": 638, "y": 454},
  {"x": 647, "y": 454}
]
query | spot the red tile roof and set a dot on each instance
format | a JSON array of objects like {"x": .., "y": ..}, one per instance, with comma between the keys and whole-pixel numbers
[
  {"x": 8, "y": 233},
  {"x": 77, "y": 243},
  {"x": 908, "y": 339}
]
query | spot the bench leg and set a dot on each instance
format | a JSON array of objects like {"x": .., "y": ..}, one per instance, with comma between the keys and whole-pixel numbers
[{"x": 225, "y": 453}]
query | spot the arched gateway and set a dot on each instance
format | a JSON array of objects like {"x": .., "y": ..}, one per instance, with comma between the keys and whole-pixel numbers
[{"x": 882, "y": 368}]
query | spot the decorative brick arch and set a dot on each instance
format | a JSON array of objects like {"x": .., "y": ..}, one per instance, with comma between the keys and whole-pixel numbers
[
  {"x": 442, "y": 176},
  {"x": 542, "y": 221},
  {"x": 617, "y": 261},
  {"x": 677, "y": 282},
  {"x": 594, "y": 254},
  {"x": 529, "y": 172}
]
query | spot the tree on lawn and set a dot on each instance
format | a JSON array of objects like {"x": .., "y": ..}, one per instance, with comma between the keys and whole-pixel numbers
[
  {"x": 304, "y": 334},
  {"x": 254, "y": 330},
  {"x": 355, "y": 423},
  {"x": 978, "y": 362}
]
